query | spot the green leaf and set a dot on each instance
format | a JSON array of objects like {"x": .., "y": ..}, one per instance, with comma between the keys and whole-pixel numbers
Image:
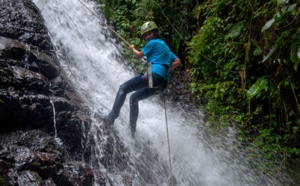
[
  {"x": 257, "y": 51},
  {"x": 270, "y": 53},
  {"x": 292, "y": 7},
  {"x": 256, "y": 88},
  {"x": 236, "y": 31},
  {"x": 268, "y": 24},
  {"x": 295, "y": 54},
  {"x": 280, "y": 2}
]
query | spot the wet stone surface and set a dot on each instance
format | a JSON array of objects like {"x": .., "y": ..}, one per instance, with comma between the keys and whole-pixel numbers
[
  {"x": 33, "y": 91},
  {"x": 36, "y": 98},
  {"x": 35, "y": 158},
  {"x": 30, "y": 79}
]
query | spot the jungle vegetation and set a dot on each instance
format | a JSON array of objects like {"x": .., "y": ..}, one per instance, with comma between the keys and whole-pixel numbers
[{"x": 242, "y": 56}]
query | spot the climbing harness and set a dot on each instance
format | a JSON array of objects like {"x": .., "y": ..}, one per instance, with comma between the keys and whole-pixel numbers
[
  {"x": 150, "y": 81},
  {"x": 149, "y": 72}
]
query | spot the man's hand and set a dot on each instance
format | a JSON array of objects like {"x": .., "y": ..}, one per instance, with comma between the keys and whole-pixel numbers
[
  {"x": 137, "y": 53},
  {"x": 131, "y": 47}
]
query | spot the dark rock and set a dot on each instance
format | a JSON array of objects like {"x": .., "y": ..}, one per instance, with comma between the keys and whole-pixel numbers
[
  {"x": 32, "y": 89},
  {"x": 29, "y": 178},
  {"x": 28, "y": 57},
  {"x": 4, "y": 169},
  {"x": 48, "y": 182},
  {"x": 21, "y": 20},
  {"x": 77, "y": 173},
  {"x": 45, "y": 130},
  {"x": 29, "y": 157},
  {"x": 36, "y": 99}
]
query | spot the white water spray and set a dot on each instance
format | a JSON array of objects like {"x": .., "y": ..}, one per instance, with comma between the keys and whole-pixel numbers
[
  {"x": 87, "y": 58},
  {"x": 54, "y": 123},
  {"x": 54, "y": 118}
]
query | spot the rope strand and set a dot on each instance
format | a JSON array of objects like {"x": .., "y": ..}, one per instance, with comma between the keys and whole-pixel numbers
[
  {"x": 169, "y": 146},
  {"x": 104, "y": 22}
]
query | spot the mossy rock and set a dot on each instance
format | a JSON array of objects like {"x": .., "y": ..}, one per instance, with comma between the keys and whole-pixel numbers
[{"x": 4, "y": 168}]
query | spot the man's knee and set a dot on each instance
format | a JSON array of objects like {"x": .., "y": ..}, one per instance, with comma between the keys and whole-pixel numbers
[
  {"x": 122, "y": 89},
  {"x": 133, "y": 99}
]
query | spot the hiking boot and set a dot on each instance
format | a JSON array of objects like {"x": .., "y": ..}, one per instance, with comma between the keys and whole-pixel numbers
[
  {"x": 108, "y": 120},
  {"x": 132, "y": 134},
  {"x": 132, "y": 131}
]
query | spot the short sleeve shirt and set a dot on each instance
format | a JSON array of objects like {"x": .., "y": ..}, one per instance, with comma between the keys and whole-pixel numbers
[{"x": 159, "y": 54}]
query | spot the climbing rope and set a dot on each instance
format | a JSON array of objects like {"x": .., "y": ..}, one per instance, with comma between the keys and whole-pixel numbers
[
  {"x": 96, "y": 15},
  {"x": 167, "y": 128},
  {"x": 169, "y": 146}
]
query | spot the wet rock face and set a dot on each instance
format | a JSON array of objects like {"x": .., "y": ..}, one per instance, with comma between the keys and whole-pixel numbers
[
  {"x": 35, "y": 158},
  {"x": 32, "y": 89},
  {"x": 35, "y": 97},
  {"x": 21, "y": 20}
]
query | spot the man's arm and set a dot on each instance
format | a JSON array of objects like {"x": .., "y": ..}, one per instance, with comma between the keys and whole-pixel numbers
[
  {"x": 138, "y": 54},
  {"x": 176, "y": 63}
]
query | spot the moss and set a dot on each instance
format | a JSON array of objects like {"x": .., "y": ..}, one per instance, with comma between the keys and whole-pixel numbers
[
  {"x": 3, "y": 180},
  {"x": 50, "y": 148},
  {"x": 4, "y": 167},
  {"x": 36, "y": 164}
]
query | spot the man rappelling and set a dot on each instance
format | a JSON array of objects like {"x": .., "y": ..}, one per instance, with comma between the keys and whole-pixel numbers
[{"x": 161, "y": 61}]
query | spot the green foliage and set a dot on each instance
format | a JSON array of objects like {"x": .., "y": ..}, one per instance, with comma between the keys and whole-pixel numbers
[
  {"x": 127, "y": 16},
  {"x": 256, "y": 88},
  {"x": 244, "y": 60},
  {"x": 243, "y": 56},
  {"x": 295, "y": 53}
]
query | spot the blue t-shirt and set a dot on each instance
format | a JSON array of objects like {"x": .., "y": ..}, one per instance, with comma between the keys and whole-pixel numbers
[{"x": 159, "y": 54}]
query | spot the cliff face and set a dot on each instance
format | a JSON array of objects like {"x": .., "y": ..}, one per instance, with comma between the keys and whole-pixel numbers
[
  {"x": 31, "y": 85},
  {"x": 32, "y": 92}
]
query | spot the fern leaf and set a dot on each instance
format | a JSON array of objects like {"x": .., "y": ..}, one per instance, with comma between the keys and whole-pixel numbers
[{"x": 295, "y": 54}]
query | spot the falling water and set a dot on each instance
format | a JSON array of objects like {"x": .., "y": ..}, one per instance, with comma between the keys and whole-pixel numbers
[
  {"x": 88, "y": 58},
  {"x": 54, "y": 123},
  {"x": 54, "y": 118}
]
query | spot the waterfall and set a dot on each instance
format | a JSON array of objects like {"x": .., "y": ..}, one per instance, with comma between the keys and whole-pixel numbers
[
  {"x": 54, "y": 118},
  {"x": 54, "y": 123},
  {"x": 88, "y": 58}
]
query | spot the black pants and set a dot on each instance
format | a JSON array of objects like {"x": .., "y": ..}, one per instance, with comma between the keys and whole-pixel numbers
[{"x": 139, "y": 84}]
